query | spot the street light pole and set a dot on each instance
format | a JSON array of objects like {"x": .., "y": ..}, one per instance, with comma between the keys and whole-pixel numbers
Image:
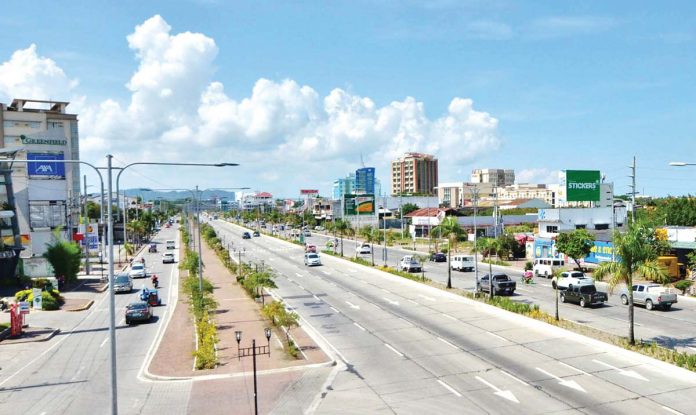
[
  {"x": 112, "y": 296},
  {"x": 474, "y": 196}
]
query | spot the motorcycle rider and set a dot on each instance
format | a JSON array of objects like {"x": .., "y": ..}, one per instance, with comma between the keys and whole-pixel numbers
[{"x": 155, "y": 280}]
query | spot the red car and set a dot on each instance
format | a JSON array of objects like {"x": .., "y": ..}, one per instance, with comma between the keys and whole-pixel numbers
[{"x": 311, "y": 248}]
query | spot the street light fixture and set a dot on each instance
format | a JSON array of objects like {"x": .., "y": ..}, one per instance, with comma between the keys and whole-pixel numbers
[
  {"x": 254, "y": 351},
  {"x": 680, "y": 164}
]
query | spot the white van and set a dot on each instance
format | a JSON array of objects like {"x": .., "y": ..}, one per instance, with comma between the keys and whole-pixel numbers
[
  {"x": 170, "y": 244},
  {"x": 545, "y": 266},
  {"x": 462, "y": 262}
]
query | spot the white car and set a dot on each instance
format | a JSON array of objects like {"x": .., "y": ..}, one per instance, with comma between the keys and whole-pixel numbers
[
  {"x": 168, "y": 258},
  {"x": 311, "y": 259},
  {"x": 410, "y": 264},
  {"x": 571, "y": 277},
  {"x": 138, "y": 270},
  {"x": 364, "y": 249}
]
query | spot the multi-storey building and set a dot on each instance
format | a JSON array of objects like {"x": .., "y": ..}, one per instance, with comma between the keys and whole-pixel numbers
[
  {"x": 460, "y": 194},
  {"x": 47, "y": 193},
  {"x": 528, "y": 191},
  {"x": 414, "y": 173},
  {"x": 365, "y": 180},
  {"x": 497, "y": 177},
  {"x": 343, "y": 186}
]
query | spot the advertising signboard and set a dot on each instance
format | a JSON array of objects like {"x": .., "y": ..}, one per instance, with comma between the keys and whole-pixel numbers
[
  {"x": 309, "y": 192},
  {"x": 46, "y": 169},
  {"x": 37, "y": 298},
  {"x": 582, "y": 185},
  {"x": 601, "y": 252},
  {"x": 359, "y": 204}
]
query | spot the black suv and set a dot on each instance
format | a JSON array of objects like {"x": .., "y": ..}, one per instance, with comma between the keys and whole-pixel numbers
[
  {"x": 246, "y": 235},
  {"x": 438, "y": 257}
]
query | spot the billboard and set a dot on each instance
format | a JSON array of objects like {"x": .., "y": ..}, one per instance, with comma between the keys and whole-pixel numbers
[
  {"x": 582, "y": 185},
  {"x": 46, "y": 169},
  {"x": 309, "y": 192},
  {"x": 359, "y": 204}
]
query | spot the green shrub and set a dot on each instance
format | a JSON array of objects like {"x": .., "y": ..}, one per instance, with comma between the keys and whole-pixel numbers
[
  {"x": 683, "y": 285},
  {"x": 528, "y": 266}
]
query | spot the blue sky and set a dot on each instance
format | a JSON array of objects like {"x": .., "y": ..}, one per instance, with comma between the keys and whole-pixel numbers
[{"x": 565, "y": 85}]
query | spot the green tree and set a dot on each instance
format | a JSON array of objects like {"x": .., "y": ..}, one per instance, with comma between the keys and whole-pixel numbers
[
  {"x": 450, "y": 229},
  {"x": 556, "y": 273},
  {"x": 93, "y": 210},
  {"x": 408, "y": 208},
  {"x": 577, "y": 244},
  {"x": 636, "y": 255},
  {"x": 64, "y": 256},
  {"x": 342, "y": 228}
]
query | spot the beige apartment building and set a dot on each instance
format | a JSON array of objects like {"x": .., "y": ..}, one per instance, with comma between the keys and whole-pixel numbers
[
  {"x": 414, "y": 173},
  {"x": 497, "y": 177}
]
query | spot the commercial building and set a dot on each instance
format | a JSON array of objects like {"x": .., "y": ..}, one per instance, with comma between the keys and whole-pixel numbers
[
  {"x": 365, "y": 180},
  {"x": 414, "y": 173},
  {"x": 47, "y": 193},
  {"x": 343, "y": 186},
  {"x": 262, "y": 200},
  {"x": 528, "y": 191},
  {"x": 497, "y": 177},
  {"x": 460, "y": 194}
]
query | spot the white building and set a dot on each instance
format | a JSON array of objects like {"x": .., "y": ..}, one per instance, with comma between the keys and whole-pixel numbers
[
  {"x": 263, "y": 200},
  {"x": 497, "y": 177},
  {"x": 47, "y": 193},
  {"x": 528, "y": 191},
  {"x": 554, "y": 221}
]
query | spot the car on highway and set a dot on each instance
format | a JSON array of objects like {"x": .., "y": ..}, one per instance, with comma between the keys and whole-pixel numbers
[
  {"x": 170, "y": 244},
  {"x": 651, "y": 295},
  {"x": 571, "y": 277},
  {"x": 168, "y": 258},
  {"x": 319, "y": 228},
  {"x": 585, "y": 295},
  {"x": 364, "y": 249},
  {"x": 306, "y": 233},
  {"x": 246, "y": 235},
  {"x": 438, "y": 257},
  {"x": 138, "y": 311},
  {"x": 138, "y": 270},
  {"x": 257, "y": 233},
  {"x": 545, "y": 266},
  {"x": 311, "y": 248},
  {"x": 410, "y": 264},
  {"x": 123, "y": 283},
  {"x": 312, "y": 259},
  {"x": 501, "y": 283}
]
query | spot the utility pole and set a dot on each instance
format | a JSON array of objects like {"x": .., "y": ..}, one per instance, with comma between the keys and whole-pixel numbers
[
  {"x": 633, "y": 189},
  {"x": 474, "y": 196},
  {"x": 85, "y": 240}
]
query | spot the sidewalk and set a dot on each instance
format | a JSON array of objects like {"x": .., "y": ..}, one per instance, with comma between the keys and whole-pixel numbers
[{"x": 236, "y": 311}]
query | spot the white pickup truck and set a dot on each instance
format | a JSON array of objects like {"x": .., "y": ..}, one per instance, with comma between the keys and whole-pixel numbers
[{"x": 651, "y": 295}]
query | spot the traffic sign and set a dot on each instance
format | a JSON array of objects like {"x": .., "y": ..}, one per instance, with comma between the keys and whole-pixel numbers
[{"x": 24, "y": 307}]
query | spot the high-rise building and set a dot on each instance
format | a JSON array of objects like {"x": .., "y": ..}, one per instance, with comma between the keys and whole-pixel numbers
[
  {"x": 47, "y": 194},
  {"x": 414, "y": 173},
  {"x": 497, "y": 177},
  {"x": 365, "y": 180},
  {"x": 343, "y": 186}
]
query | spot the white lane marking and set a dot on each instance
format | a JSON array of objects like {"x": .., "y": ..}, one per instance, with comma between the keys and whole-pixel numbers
[
  {"x": 316, "y": 298},
  {"x": 629, "y": 373},
  {"x": 359, "y": 326},
  {"x": 496, "y": 336},
  {"x": 299, "y": 275},
  {"x": 413, "y": 302},
  {"x": 514, "y": 378},
  {"x": 574, "y": 368},
  {"x": 335, "y": 310},
  {"x": 392, "y": 302},
  {"x": 447, "y": 343},
  {"x": 301, "y": 287},
  {"x": 326, "y": 272},
  {"x": 353, "y": 271},
  {"x": 449, "y": 388},
  {"x": 394, "y": 350},
  {"x": 567, "y": 383},
  {"x": 449, "y": 317},
  {"x": 386, "y": 291},
  {"x": 497, "y": 391},
  {"x": 426, "y": 297},
  {"x": 671, "y": 410},
  {"x": 104, "y": 342},
  {"x": 353, "y": 306}
]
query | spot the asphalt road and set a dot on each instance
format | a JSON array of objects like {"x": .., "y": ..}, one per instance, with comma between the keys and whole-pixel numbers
[
  {"x": 675, "y": 328},
  {"x": 407, "y": 348},
  {"x": 70, "y": 374}
]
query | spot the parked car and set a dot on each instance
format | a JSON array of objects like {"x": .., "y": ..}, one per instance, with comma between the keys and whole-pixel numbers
[
  {"x": 438, "y": 257},
  {"x": 462, "y": 262},
  {"x": 319, "y": 228},
  {"x": 123, "y": 283},
  {"x": 138, "y": 311},
  {"x": 585, "y": 295},
  {"x": 651, "y": 295},
  {"x": 246, "y": 235},
  {"x": 168, "y": 258},
  {"x": 410, "y": 264},
  {"x": 138, "y": 270},
  {"x": 364, "y": 249},
  {"x": 501, "y": 284},
  {"x": 257, "y": 233},
  {"x": 545, "y": 266},
  {"x": 571, "y": 277},
  {"x": 312, "y": 259}
]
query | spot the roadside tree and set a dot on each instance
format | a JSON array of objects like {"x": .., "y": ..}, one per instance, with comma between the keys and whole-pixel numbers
[
  {"x": 577, "y": 244},
  {"x": 450, "y": 229},
  {"x": 64, "y": 256}
]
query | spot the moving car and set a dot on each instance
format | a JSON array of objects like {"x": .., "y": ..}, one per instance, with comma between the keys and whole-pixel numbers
[
  {"x": 571, "y": 277},
  {"x": 651, "y": 295},
  {"x": 307, "y": 233},
  {"x": 246, "y": 235},
  {"x": 123, "y": 283},
  {"x": 138, "y": 311},
  {"x": 311, "y": 248},
  {"x": 152, "y": 248},
  {"x": 170, "y": 244},
  {"x": 256, "y": 233},
  {"x": 438, "y": 257},
  {"x": 364, "y": 249},
  {"x": 312, "y": 259},
  {"x": 585, "y": 295},
  {"x": 410, "y": 264},
  {"x": 462, "y": 262},
  {"x": 501, "y": 284},
  {"x": 168, "y": 258},
  {"x": 138, "y": 270}
]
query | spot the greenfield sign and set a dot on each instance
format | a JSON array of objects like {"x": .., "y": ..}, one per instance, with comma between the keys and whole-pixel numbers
[
  {"x": 44, "y": 141},
  {"x": 359, "y": 204},
  {"x": 582, "y": 185}
]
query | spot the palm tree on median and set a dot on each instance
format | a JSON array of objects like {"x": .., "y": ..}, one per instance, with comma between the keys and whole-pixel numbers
[
  {"x": 342, "y": 227},
  {"x": 636, "y": 255},
  {"x": 450, "y": 229}
]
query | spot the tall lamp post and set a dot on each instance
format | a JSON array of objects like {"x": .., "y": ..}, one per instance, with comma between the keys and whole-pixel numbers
[{"x": 254, "y": 351}]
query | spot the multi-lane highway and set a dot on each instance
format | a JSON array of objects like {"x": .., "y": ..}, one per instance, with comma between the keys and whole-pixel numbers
[
  {"x": 408, "y": 348},
  {"x": 70, "y": 373},
  {"x": 672, "y": 328}
]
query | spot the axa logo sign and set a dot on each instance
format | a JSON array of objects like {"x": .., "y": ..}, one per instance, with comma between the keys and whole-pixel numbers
[
  {"x": 44, "y": 169},
  {"x": 46, "y": 165}
]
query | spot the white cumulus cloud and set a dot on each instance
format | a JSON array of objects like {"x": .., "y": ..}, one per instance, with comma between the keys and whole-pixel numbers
[{"x": 537, "y": 175}]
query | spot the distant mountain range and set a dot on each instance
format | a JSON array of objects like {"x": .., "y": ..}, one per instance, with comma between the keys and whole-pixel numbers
[{"x": 178, "y": 194}]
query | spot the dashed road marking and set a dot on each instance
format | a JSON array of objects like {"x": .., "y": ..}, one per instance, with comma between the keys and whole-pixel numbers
[{"x": 394, "y": 350}]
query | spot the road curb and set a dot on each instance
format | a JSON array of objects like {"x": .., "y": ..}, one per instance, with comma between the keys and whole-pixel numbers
[
  {"x": 47, "y": 338},
  {"x": 83, "y": 307}
]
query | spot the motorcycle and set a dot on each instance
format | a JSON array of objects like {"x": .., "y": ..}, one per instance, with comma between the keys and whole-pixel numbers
[
  {"x": 527, "y": 277},
  {"x": 155, "y": 281}
]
